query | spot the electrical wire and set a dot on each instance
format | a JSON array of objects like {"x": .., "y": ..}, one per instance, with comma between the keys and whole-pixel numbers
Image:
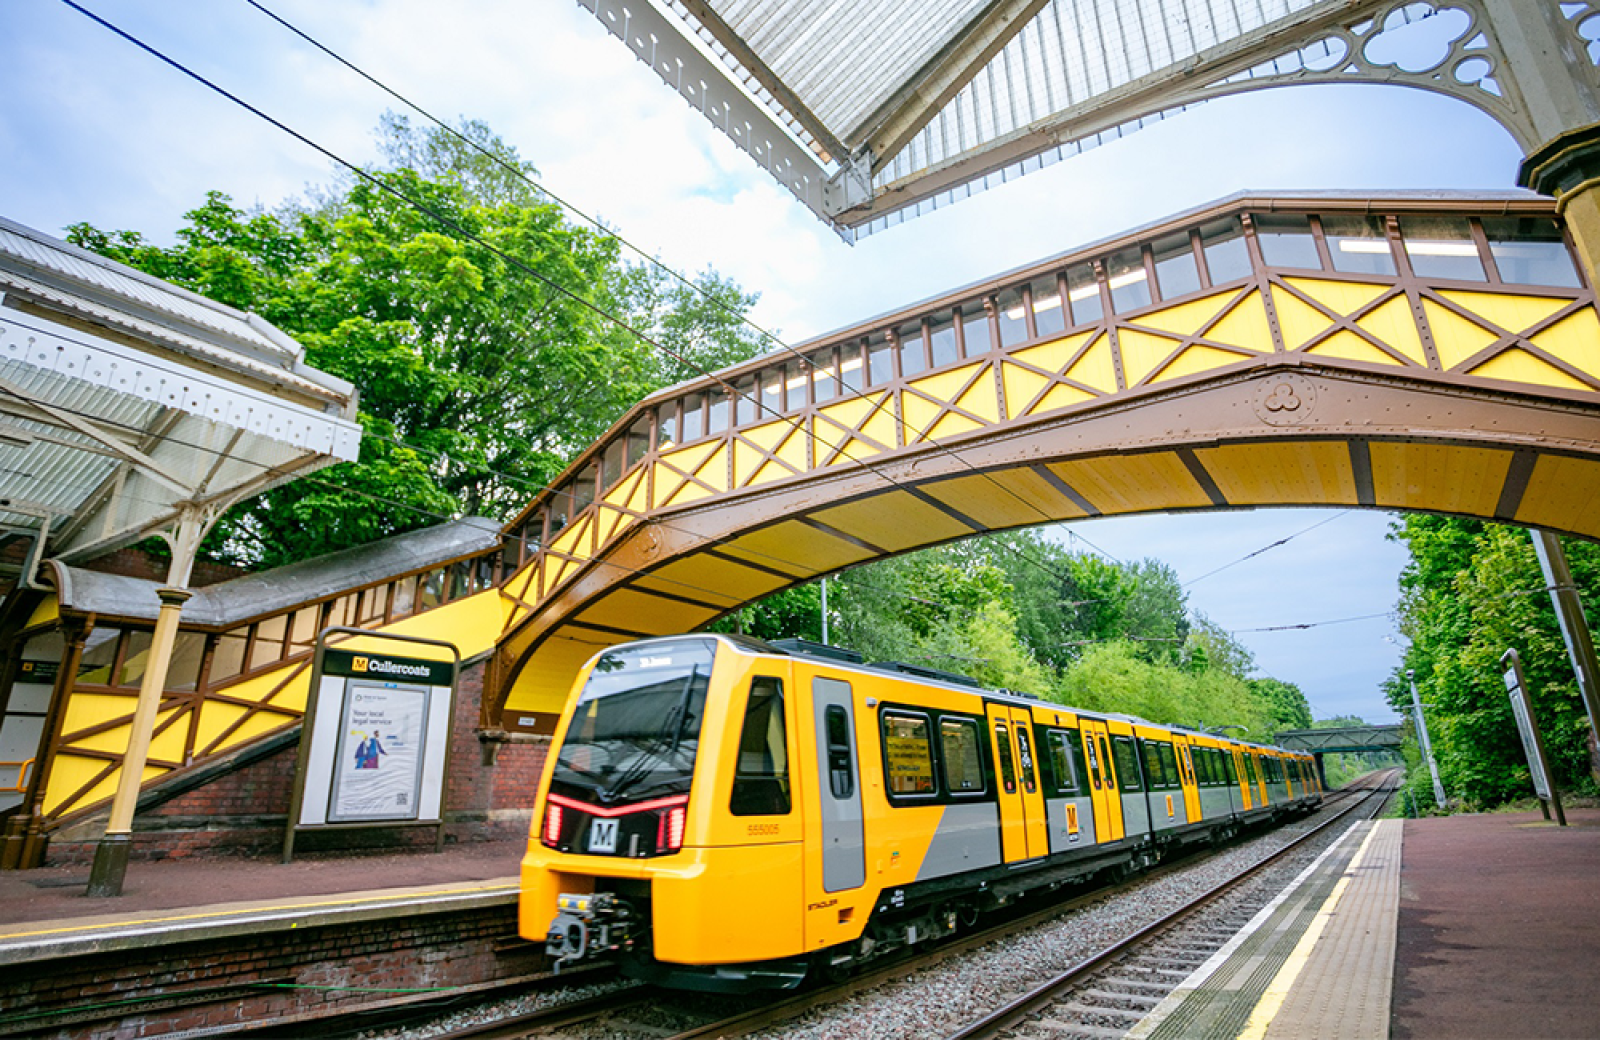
[
  {"x": 517, "y": 264},
  {"x": 1264, "y": 548}
]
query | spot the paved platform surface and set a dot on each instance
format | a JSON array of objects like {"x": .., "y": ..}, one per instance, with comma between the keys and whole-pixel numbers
[
  {"x": 1310, "y": 964},
  {"x": 1499, "y": 928},
  {"x": 45, "y": 912}
]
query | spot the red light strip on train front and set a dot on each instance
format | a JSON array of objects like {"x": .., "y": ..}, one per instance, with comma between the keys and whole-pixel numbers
[{"x": 595, "y": 810}]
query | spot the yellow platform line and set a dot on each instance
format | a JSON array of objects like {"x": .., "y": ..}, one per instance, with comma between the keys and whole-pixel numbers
[
  {"x": 1278, "y": 990},
  {"x": 251, "y": 909}
]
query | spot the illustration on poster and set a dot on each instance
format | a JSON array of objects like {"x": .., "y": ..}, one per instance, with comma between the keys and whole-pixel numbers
[{"x": 368, "y": 750}]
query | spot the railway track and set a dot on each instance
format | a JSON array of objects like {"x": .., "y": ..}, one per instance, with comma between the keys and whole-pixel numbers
[
  {"x": 1107, "y": 994},
  {"x": 1110, "y": 1006}
]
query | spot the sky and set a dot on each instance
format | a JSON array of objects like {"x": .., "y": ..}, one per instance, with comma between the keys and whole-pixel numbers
[{"x": 94, "y": 129}]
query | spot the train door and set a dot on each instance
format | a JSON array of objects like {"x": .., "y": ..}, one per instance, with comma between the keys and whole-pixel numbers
[
  {"x": 1035, "y": 817},
  {"x": 1253, "y": 760},
  {"x": 1102, "y": 781},
  {"x": 1135, "y": 802},
  {"x": 1241, "y": 778},
  {"x": 843, "y": 851},
  {"x": 1191, "y": 787},
  {"x": 1013, "y": 819}
]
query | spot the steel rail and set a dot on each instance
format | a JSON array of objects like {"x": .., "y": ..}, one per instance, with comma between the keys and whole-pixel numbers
[{"x": 1048, "y": 992}]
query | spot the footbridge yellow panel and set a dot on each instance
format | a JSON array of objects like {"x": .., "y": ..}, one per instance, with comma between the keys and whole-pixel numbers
[{"x": 1421, "y": 352}]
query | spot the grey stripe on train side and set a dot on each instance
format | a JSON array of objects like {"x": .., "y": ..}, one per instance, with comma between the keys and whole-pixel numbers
[{"x": 968, "y": 837}]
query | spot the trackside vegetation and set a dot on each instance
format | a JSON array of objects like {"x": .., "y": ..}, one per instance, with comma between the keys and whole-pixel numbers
[
  {"x": 1471, "y": 591},
  {"x": 1020, "y": 611}
]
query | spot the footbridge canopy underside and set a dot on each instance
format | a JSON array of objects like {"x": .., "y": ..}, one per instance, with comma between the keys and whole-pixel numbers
[{"x": 1430, "y": 352}]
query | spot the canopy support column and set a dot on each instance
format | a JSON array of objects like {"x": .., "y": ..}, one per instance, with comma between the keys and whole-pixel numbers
[{"x": 111, "y": 856}]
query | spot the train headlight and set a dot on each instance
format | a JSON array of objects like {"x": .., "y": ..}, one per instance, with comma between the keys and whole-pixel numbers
[{"x": 552, "y": 824}]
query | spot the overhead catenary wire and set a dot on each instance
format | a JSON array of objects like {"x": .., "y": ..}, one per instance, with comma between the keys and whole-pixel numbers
[
  {"x": 1281, "y": 541},
  {"x": 521, "y": 174},
  {"x": 518, "y": 265}
]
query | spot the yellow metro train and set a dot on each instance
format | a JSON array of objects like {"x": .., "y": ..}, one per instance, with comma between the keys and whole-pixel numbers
[{"x": 725, "y": 814}]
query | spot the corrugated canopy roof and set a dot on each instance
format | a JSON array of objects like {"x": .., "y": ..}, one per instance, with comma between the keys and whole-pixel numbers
[
  {"x": 123, "y": 397},
  {"x": 874, "y": 110}
]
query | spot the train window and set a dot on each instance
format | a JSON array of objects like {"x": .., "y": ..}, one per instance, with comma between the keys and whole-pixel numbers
[
  {"x": 963, "y": 761},
  {"x": 1008, "y": 768},
  {"x": 1130, "y": 284},
  {"x": 1176, "y": 273},
  {"x": 1094, "y": 762},
  {"x": 1127, "y": 761},
  {"x": 880, "y": 359},
  {"x": 761, "y": 772},
  {"x": 1105, "y": 758},
  {"x": 1153, "y": 769},
  {"x": 913, "y": 355},
  {"x": 841, "y": 774},
  {"x": 1169, "y": 765},
  {"x": 907, "y": 754},
  {"x": 1025, "y": 760},
  {"x": 1058, "y": 748}
]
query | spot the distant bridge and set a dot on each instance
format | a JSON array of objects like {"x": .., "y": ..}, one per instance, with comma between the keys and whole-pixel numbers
[{"x": 1345, "y": 738}]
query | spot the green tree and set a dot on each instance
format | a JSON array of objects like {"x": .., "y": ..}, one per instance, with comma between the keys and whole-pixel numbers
[
  {"x": 1290, "y": 709},
  {"x": 480, "y": 346},
  {"x": 1469, "y": 592}
]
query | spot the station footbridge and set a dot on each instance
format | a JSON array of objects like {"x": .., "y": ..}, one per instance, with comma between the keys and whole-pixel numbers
[{"x": 1434, "y": 351}]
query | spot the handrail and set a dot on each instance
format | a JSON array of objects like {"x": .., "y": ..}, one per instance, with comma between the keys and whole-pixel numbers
[{"x": 22, "y": 776}]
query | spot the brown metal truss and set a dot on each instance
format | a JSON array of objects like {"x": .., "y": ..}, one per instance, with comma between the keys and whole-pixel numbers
[{"x": 706, "y": 495}]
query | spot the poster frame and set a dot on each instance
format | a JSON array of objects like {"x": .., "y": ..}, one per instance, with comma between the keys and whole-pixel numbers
[{"x": 293, "y": 826}]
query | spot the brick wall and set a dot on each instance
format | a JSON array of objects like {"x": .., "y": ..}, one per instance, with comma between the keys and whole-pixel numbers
[
  {"x": 135, "y": 562},
  {"x": 319, "y": 970},
  {"x": 244, "y": 812}
]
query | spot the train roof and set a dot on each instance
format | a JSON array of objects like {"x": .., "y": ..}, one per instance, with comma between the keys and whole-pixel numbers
[{"x": 842, "y": 657}]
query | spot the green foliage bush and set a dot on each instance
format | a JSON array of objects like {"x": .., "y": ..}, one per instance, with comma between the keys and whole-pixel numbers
[{"x": 1470, "y": 592}]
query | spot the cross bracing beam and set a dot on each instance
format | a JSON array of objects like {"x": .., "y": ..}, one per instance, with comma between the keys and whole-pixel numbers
[{"x": 1287, "y": 350}]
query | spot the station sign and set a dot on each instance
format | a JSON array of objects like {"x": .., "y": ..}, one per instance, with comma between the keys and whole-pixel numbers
[{"x": 376, "y": 738}]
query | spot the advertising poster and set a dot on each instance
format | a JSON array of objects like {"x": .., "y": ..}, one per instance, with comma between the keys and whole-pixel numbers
[{"x": 382, "y": 738}]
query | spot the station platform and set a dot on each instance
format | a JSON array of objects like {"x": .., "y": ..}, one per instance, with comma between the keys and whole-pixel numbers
[
  {"x": 52, "y": 898},
  {"x": 1464, "y": 926},
  {"x": 202, "y": 947}
]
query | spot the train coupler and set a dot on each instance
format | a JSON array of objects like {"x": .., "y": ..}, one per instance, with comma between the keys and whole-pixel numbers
[{"x": 588, "y": 926}]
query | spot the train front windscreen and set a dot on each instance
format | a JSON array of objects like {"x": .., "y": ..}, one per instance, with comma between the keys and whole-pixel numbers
[{"x": 622, "y": 778}]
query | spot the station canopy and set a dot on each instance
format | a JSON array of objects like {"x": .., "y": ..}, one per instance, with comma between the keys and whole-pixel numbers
[
  {"x": 125, "y": 401},
  {"x": 872, "y": 111}
]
